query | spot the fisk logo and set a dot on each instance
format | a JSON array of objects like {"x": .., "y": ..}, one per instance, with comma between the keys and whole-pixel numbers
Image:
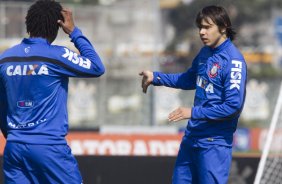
[
  {"x": 236, "y": 74},
  {"x": 74, "y": 58},
  {"x": 27, "y": 70}
]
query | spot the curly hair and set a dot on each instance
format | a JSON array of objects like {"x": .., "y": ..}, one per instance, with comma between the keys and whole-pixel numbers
[
  {"x": 41, "y": 19},
  {"x": 219, "y": 16}
]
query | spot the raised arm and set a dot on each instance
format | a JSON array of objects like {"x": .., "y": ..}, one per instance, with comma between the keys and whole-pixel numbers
[{"x": 88, "y": 63}]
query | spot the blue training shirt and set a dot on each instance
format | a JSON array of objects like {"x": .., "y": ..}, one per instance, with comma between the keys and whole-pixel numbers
[
  {"x": 219, "y": 76},
  {"x": 34, "y": 77}
]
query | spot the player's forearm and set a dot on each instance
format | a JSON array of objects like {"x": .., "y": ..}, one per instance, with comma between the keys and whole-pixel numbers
[
  {"x": 86, "y": 50},
  {"x": 179, "y": 80},
  {"x": 227, "y": 110}
]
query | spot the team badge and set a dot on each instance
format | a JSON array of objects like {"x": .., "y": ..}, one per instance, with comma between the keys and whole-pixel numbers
[
  {"x": 214, "y": 70},
  {"x": 26, "y": 50}
]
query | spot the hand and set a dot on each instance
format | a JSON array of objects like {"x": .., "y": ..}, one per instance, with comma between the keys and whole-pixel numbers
[
  {"x": 180, "y": 113},
  {"x": 147, "y": 79},
  {"x": 68, "y": 24}
]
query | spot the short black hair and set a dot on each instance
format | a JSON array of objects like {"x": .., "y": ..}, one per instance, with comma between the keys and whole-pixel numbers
[
  {"x": 41, "y": 19},
  {"x": 219, "y": 16}
]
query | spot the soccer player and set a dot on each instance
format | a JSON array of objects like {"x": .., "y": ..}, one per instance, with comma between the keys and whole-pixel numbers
[
  {"x": 35, "y": 77},
  {"x": 218, "y": 73}
]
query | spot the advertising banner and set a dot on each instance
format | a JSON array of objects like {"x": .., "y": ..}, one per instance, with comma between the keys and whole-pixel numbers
[{"x": 87, "y": 143}]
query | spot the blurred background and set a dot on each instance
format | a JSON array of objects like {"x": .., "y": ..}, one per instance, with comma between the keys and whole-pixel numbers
[{"x": 121, "y": 135}]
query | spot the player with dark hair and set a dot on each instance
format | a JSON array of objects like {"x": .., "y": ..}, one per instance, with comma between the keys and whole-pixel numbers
[
  {"x": 34, "y": 80},
  {"x": 41, "y": 24},
  {"x": 218, "y": 74},
  {"x": 219, "y": 16}
]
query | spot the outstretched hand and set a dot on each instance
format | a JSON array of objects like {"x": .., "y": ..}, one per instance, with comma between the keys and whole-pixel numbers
[
  {"x": 180, "y": 113},
  {"x": 68, "y": 24},
  {"x": 147, "y": 79}
]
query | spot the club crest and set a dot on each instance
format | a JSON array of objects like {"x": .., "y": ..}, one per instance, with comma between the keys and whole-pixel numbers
[{"x": 214, "y": 70}]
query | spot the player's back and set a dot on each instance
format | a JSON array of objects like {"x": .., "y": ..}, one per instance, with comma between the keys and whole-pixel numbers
[
  {"x": 35, "y": 78},
  {"x": 36, "y": 95}
]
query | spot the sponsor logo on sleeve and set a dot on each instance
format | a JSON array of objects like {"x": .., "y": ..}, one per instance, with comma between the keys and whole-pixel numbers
[
  {"x": 236, "y": 74},
  {"x": 76, "y": 59}
]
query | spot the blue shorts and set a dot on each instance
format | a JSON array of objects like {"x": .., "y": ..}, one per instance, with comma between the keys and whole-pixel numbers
[
  {"x": 199, "y": 163},
  {"x": 39, "y": 164}
]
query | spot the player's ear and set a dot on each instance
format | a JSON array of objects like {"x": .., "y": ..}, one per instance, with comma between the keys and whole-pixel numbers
[{"x": 222, "y": 30}]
